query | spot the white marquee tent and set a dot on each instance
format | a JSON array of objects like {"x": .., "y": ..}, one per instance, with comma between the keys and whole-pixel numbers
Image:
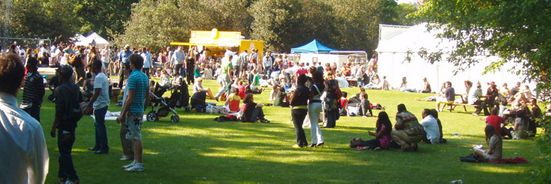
[
  {"x": 398, "y": 41},
  {"x": 93, "y": 39}
]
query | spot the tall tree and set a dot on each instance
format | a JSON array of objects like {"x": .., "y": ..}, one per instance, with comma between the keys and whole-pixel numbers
[
  {"x": 106, "y": 17},
  {"x": 43, "y": 19},
  {"x": 277, "y": 22},
  {"x": 356, "y": 23}
]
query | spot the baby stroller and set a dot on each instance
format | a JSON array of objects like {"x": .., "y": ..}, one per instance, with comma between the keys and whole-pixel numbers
[{"x": 160, "y": 107}]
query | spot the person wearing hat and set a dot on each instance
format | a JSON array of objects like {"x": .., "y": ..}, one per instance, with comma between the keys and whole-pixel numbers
[
  {"x": 67, "y": 114},
  {"x": 33, "y": 90}
]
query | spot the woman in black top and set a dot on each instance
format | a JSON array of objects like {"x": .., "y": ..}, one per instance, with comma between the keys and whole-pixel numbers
[
  {"x": 252, "y": 112},
  {"x": 330, "y": 103},
  {"x": 299, "y": 108}
]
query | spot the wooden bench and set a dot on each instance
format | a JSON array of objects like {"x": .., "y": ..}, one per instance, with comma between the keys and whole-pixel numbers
[{"x": 452, "y": 105}]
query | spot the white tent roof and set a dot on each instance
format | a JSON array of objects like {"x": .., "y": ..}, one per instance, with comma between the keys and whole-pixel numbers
[
  {"x": 93, "y": 39},
  {"x": 413, "y": 39}
]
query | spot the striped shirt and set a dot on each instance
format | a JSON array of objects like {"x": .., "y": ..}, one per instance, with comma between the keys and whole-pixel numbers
[
  {"x": 33, "y": 91},
  {"x": 138, "y": 82}
]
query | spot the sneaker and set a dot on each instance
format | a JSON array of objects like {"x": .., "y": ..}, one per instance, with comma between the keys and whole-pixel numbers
[
  {"x": 129, "y": 165},
  {"x": 124, "y": 157},
  {"x": 137, "y": 167}
]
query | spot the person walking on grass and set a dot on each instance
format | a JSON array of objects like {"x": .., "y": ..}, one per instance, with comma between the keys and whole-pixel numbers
[
  {"x": 299, "y": 108},
  {"x": 67, "y": 114},
  {"x": 314, "y": 108},
  {"x": 23, "y": 151},
  {"x": 133, "y": 109},
  {"x": 99, "y": 103},
  {"x": 33, "y": 90}
]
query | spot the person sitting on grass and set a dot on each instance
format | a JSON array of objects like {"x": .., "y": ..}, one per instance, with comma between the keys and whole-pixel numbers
[
  {"x": 495, "y": 145},
  {"x": 430, "y": 125},
  {"x": 408, "y": 132},
  {"x": 233, "y": 101},
  {"x": 343, "y": 109},
  {"x": 198, "y": 88},
  {"x": 434, "y": 114},
  {"x": 251, "y": 111},
  {"x": 382, "y": 135}
]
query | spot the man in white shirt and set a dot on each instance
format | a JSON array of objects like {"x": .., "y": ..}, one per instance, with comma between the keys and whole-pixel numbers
[
  {"x": 99, "y": 103},
  {"x": 23, "y": 151},
  {"x": 178, "y": 58},
  {"x": 146, "y": 55},
  {"x": 430, "y": 125}
]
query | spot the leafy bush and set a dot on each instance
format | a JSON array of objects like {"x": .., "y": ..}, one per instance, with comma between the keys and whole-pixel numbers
[{"x": 542, "y": 173}]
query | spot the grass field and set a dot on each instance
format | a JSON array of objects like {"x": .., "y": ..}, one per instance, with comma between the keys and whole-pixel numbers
[{"x": 201, "y": 150}]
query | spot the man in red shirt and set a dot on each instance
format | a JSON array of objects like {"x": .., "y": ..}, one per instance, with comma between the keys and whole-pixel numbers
[{"x": 494, "y": 120}]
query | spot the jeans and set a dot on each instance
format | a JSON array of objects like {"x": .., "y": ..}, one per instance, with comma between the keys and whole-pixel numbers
[
  {"x": 65, "y": 141},
  {"x": 101, "y": 132},
  {"x": 298, "y": 116},
  {"x": 314, "y": 110},
  {"x": 331, "y": 118},
  {"x": 268, "y": 70}
]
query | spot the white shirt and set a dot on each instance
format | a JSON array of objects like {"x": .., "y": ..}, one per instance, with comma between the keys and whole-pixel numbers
[
  {"x": 474, "y": 94},
  {"x": 430, "y": 124},
  {"x": 23, "y": 151},
  {"x": 101, "y": 82},
  {"x": 146, "y": 59}
]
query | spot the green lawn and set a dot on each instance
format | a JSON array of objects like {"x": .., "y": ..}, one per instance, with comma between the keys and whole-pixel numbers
[{"x": 201, "y": 150}]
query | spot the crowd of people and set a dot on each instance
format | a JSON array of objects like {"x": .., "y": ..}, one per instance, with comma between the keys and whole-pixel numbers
[{"x": 312, "y": 91}]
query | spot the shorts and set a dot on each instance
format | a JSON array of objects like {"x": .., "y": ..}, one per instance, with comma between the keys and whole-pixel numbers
[{"x": 134, "y": 122}]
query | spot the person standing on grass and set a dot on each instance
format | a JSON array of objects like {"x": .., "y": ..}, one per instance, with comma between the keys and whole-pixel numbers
[
  {"x": 147, "y": 62},
  {"x": 133, "y": 109},
  {"x": 178, "y": 59},
  {"x": 299, "y": 108},
  {"x": 33, "y": 90},
  {"x": 23, "y": 151},
  {"x": 99, "y": 103},
  {"x": 314, "y": 108},
  {"x": 67, "y": 114},
  {"x": 124, "y": 66}
]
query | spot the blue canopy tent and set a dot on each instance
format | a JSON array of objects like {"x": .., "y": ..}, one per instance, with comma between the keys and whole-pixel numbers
[{"x": 313, "y": 47}]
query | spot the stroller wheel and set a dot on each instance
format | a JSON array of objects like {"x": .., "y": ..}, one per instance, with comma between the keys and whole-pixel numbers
[
  {"x": 175, "y": 118},
  {"x": 152, "y": 116}
]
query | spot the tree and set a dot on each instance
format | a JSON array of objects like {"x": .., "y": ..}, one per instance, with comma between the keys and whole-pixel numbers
[
  {"x": 356, "y": 24},
  {"x": 106, "y": 17},
  {"x": 43, "y": 19},
  {"x": 401, "y": 14},
  {"x": 277, "y": 22}
]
